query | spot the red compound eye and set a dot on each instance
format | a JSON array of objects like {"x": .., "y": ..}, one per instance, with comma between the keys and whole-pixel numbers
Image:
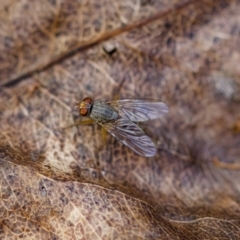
[
  {"x": 85, "y": 106},
  {"x": 84, "y": 111}
]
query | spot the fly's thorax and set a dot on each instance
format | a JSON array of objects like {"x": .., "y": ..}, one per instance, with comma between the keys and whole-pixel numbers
[{"x": 103, "y": 112}]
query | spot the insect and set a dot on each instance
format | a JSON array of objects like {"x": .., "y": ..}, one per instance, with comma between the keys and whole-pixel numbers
[{"x": 119, "y": 118}]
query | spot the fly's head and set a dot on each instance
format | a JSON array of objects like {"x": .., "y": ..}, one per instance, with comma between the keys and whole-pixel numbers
[{"x": 85, "y": 106}]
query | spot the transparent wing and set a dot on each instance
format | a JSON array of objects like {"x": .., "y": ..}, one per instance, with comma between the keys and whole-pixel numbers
[
  {"x": 139, "y": 110},
  {"x": 131, "y": 135}
]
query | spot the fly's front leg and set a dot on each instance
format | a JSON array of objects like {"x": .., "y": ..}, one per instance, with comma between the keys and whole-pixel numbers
[
  {"x": 88, "y": 121},
  {"x": 83, "y": 122},
  {"x": 104, "y": 139},
  {"x": 104, "y": 136}
]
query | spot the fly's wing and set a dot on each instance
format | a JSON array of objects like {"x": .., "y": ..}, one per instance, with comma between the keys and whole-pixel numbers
[
  {"x": 131, "y": 135},
  {"x": 139, "y": 110}
]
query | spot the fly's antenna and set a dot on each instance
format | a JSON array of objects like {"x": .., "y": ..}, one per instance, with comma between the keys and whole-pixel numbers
[
  {"x": 83, "y": 105},
  {"x": 77, "y": 103}
]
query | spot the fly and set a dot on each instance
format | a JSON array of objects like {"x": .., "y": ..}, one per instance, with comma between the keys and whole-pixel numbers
[{"x": 119, "y": 118}]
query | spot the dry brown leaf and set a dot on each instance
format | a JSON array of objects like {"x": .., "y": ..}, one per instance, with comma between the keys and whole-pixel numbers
[{"x": 56, "y": 183}]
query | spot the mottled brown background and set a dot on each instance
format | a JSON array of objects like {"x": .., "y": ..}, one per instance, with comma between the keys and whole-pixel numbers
[{"x": 55, "y": 183}]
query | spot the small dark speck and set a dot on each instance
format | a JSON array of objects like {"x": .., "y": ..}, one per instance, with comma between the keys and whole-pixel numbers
[
  {"x": 26, "y": 6},
  {"x": 207, "y": 62},
  {"x": 168, "y": 25},
  {"x": 43, "y": 191},
  {"x": 8, "y": 42},
  {"x": 20, "y": 116},
  {"x": 88, "y": 87},
  {"x": 70, "y": 224},
  {"x": 41, "y": 118},
  {"x": 216, "y": 39},
  {"x": 191, "y": 35},
  {"x": 58, "y": 34},
  {"x": 169, "y": 41},
  {"x": 145, "y": 2},
  {"x": 16, "y": 193},
  {"x": 196, "y": 55},
  {"x": 73, "y": 62},
  {"x": 177, "y": 87}
]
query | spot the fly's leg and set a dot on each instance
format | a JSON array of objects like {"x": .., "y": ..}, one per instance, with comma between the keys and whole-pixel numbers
[
  {"x": 84, "y": 122},
  {"x": 89, "y": 121},
  {"x": 229, "y": 166},
  {"x": 103, "y": 143},
  {"x": 104, "y": 139}
]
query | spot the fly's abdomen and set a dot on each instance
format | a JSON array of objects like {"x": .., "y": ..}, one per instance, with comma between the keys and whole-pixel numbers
[{"x": 102, "y": 112}]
